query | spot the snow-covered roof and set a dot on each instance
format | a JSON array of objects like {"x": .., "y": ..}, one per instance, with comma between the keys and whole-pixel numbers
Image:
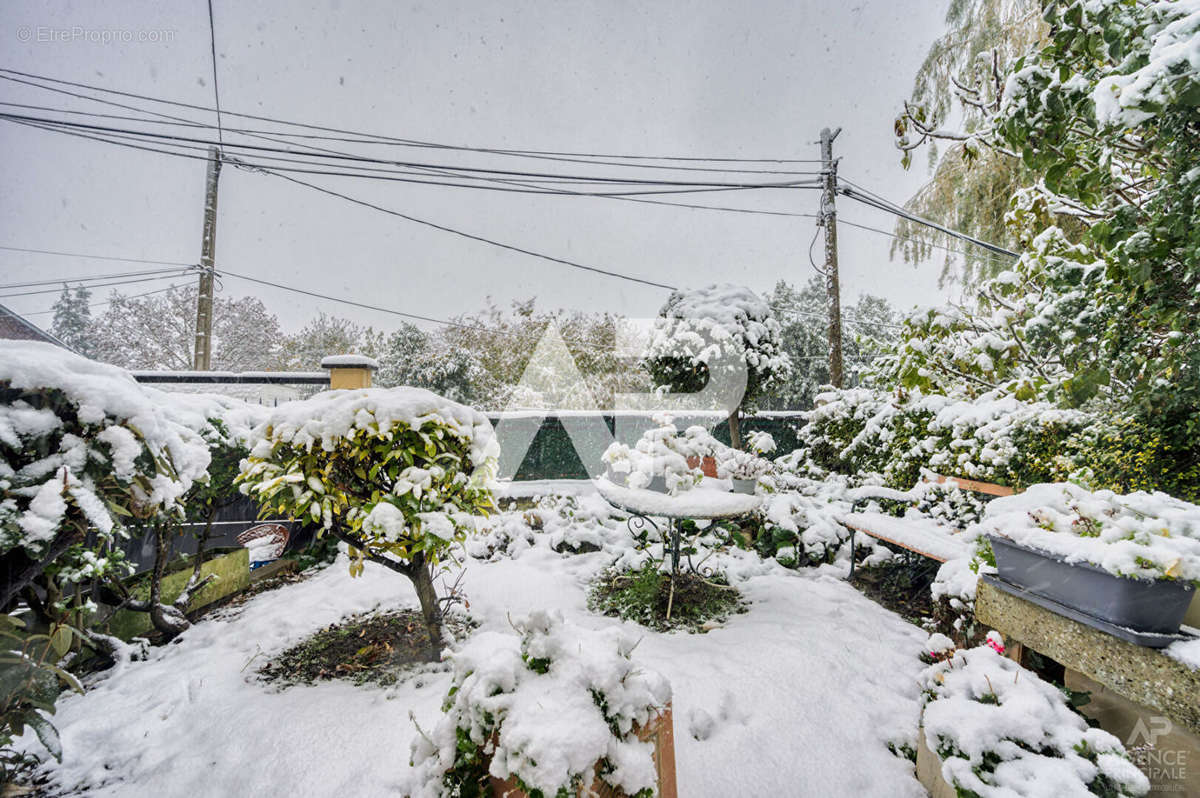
[{"x": 349, "y": 361}]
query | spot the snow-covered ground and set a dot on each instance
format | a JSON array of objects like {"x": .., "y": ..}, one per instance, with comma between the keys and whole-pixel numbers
[{"x": 797, "y": 697}]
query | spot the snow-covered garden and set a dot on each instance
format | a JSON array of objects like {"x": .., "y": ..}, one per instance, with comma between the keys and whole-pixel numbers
[{"x": 974, "y": 574}]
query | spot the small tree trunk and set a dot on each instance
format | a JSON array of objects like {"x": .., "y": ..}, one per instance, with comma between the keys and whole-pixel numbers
[
  {"x": 431, "y": 609},
  {"x": 166, "y": 619},
  {"x": 735, "y": 429}
]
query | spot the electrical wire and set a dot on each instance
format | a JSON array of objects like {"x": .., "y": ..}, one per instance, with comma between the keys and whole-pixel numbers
[
  {"x": 98, "y": 285},
  {"x": 857, "y": 192},
  {"x": 32, "y": 251},
  {"x": 109, "y": 301},
  {"x": 460, "y": 170},
  {"x": 90, "y": 278},
  {"x": 552, "y": 154},
  {"x": 471, "y": 236}
]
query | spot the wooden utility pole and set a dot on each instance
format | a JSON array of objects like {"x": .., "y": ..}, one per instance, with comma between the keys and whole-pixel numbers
[
  {"x": 202, "y": 361},
  {"x": 828, "y": 219}
]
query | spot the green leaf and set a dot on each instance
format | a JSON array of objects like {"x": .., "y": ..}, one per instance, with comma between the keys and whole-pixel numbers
[{"x": 47, "y": 734}]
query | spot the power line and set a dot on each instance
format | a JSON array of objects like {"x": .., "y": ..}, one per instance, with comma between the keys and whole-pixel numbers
[
  {"x": 180, "y": 121},
  {"x": 856, "y": 192},
  {"x": 462, "y": 171},
  {"x": 529, "y": 153},
  {"x": 91, "y": 278},
  {"x": 212, "y": 41},
  {"x": 99, "y": 285},
  {"x": 109, "y": 301},
  {"x": 392, "y": 311},
  {"x": 471, "y": 236},
  {"x": 94, "y": 257},
  {"x": 176, "y": 121}
]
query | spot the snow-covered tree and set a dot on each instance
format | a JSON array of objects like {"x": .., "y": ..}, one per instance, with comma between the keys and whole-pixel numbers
[
  {"x": 1104, "y": 112},
  {"x": 717, "y": 332},
  {"x": 159, "y": 332},
  {"x": 323, "y": 336},
  {"x": 246, "y": 336},
  {"x": 953, "y": 90},
  {"x": 870, "y": 326},
  {"x": 73, "y": 319},
  {"x": 394, "y": 473}
]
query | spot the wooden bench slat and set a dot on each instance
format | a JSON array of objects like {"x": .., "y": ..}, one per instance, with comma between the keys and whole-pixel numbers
[{"x": 975, "y": 486}]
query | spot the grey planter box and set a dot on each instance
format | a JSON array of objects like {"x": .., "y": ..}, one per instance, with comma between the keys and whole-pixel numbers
[{"x": 1142, "y": 605}]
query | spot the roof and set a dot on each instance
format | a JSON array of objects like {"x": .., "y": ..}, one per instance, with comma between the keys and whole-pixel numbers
[{"x": 14, "y": 327}]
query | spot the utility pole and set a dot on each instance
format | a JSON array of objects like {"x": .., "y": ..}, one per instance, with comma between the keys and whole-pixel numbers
[
  {"x": 202, "y": 361},
  {"x": 828, "y": 219}
]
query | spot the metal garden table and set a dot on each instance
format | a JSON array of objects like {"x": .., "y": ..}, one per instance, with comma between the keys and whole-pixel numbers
[{"x": 702, "y": 503}]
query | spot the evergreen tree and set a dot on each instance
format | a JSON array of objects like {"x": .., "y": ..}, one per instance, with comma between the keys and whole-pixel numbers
[{"x": 73, "y": 319}]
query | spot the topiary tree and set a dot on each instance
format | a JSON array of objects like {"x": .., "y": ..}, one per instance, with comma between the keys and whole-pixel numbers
[
  {"x": 710, "y": 332},
  {"x": 396, "y": 474}
]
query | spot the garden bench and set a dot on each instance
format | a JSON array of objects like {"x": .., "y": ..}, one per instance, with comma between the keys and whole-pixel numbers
[{"x": 921, "y": 536}]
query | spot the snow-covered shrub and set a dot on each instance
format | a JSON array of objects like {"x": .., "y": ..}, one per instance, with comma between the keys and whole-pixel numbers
[
  {"x": 1002, "y": 731},
  {"x": 1138, "y": 535},
  {"x": 543, "y": 707},
  {"x": 661, "y": 451},
  {"x": 992, "y": 438},
  {"x": 711, "y": 333},
  {"x": 396, "y": 474},
  {"x": 224, "y": 424},
  {"x": 82, "y": 446},
  {"x": 949, "y": 505}
]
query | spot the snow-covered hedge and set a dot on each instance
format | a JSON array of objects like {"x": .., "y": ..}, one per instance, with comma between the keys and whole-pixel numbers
[
  {"x": 1001, "y": 731},
  {"x": 993, "y": 438},
  {"x": 82, "y": 445},
  {"x": 544, "y": 706},
  {"x": 1138, "y": 535}
]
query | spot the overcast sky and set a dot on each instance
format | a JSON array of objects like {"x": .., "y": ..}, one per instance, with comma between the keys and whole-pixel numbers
[{"x": 737, "y": 79}]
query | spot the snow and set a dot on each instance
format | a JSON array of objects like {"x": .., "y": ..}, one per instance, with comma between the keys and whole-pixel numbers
[
  {"x": 981, "y": 703},
  {"x": 111, "y": 422},
  {"x": 547, "y": 728},
  {"x": 707, "y": 325},
  {"x": 799, "y": 696},
  {"x": 915, "y": 532},
  {"x": 1187, "y": 652},
  {"x": 331, "y": 415},
  {"x": 700, "y": 502},
  {"x": 349, "y": 361},
  {"x": 531, "y": 488},
  {"x": 1174, "y": 61},
  {"x": 1141, "y": 535}
]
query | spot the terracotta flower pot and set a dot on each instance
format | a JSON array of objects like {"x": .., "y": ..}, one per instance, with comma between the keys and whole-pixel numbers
[{"x": 707, "y": 465}]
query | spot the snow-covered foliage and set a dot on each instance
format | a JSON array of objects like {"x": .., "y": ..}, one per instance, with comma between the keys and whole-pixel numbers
[
  {"x": 544, "y": 706},
  {"x": 1001, "y": 731},
  {"x": 1137, "y": 535},
  {"x": 328, "y": 458},
  {"x": 396, "y": 474},
  {"x": 1170, "y": 73},
  {"x": 701, "y": 333},
  {"x": 159, "y": 332},
  {"x": 869, "y": 327},
  {"x": 662, "y": 451},
  {"x": 83, "y": 446},
  {"x": 995, "y": 438}
]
